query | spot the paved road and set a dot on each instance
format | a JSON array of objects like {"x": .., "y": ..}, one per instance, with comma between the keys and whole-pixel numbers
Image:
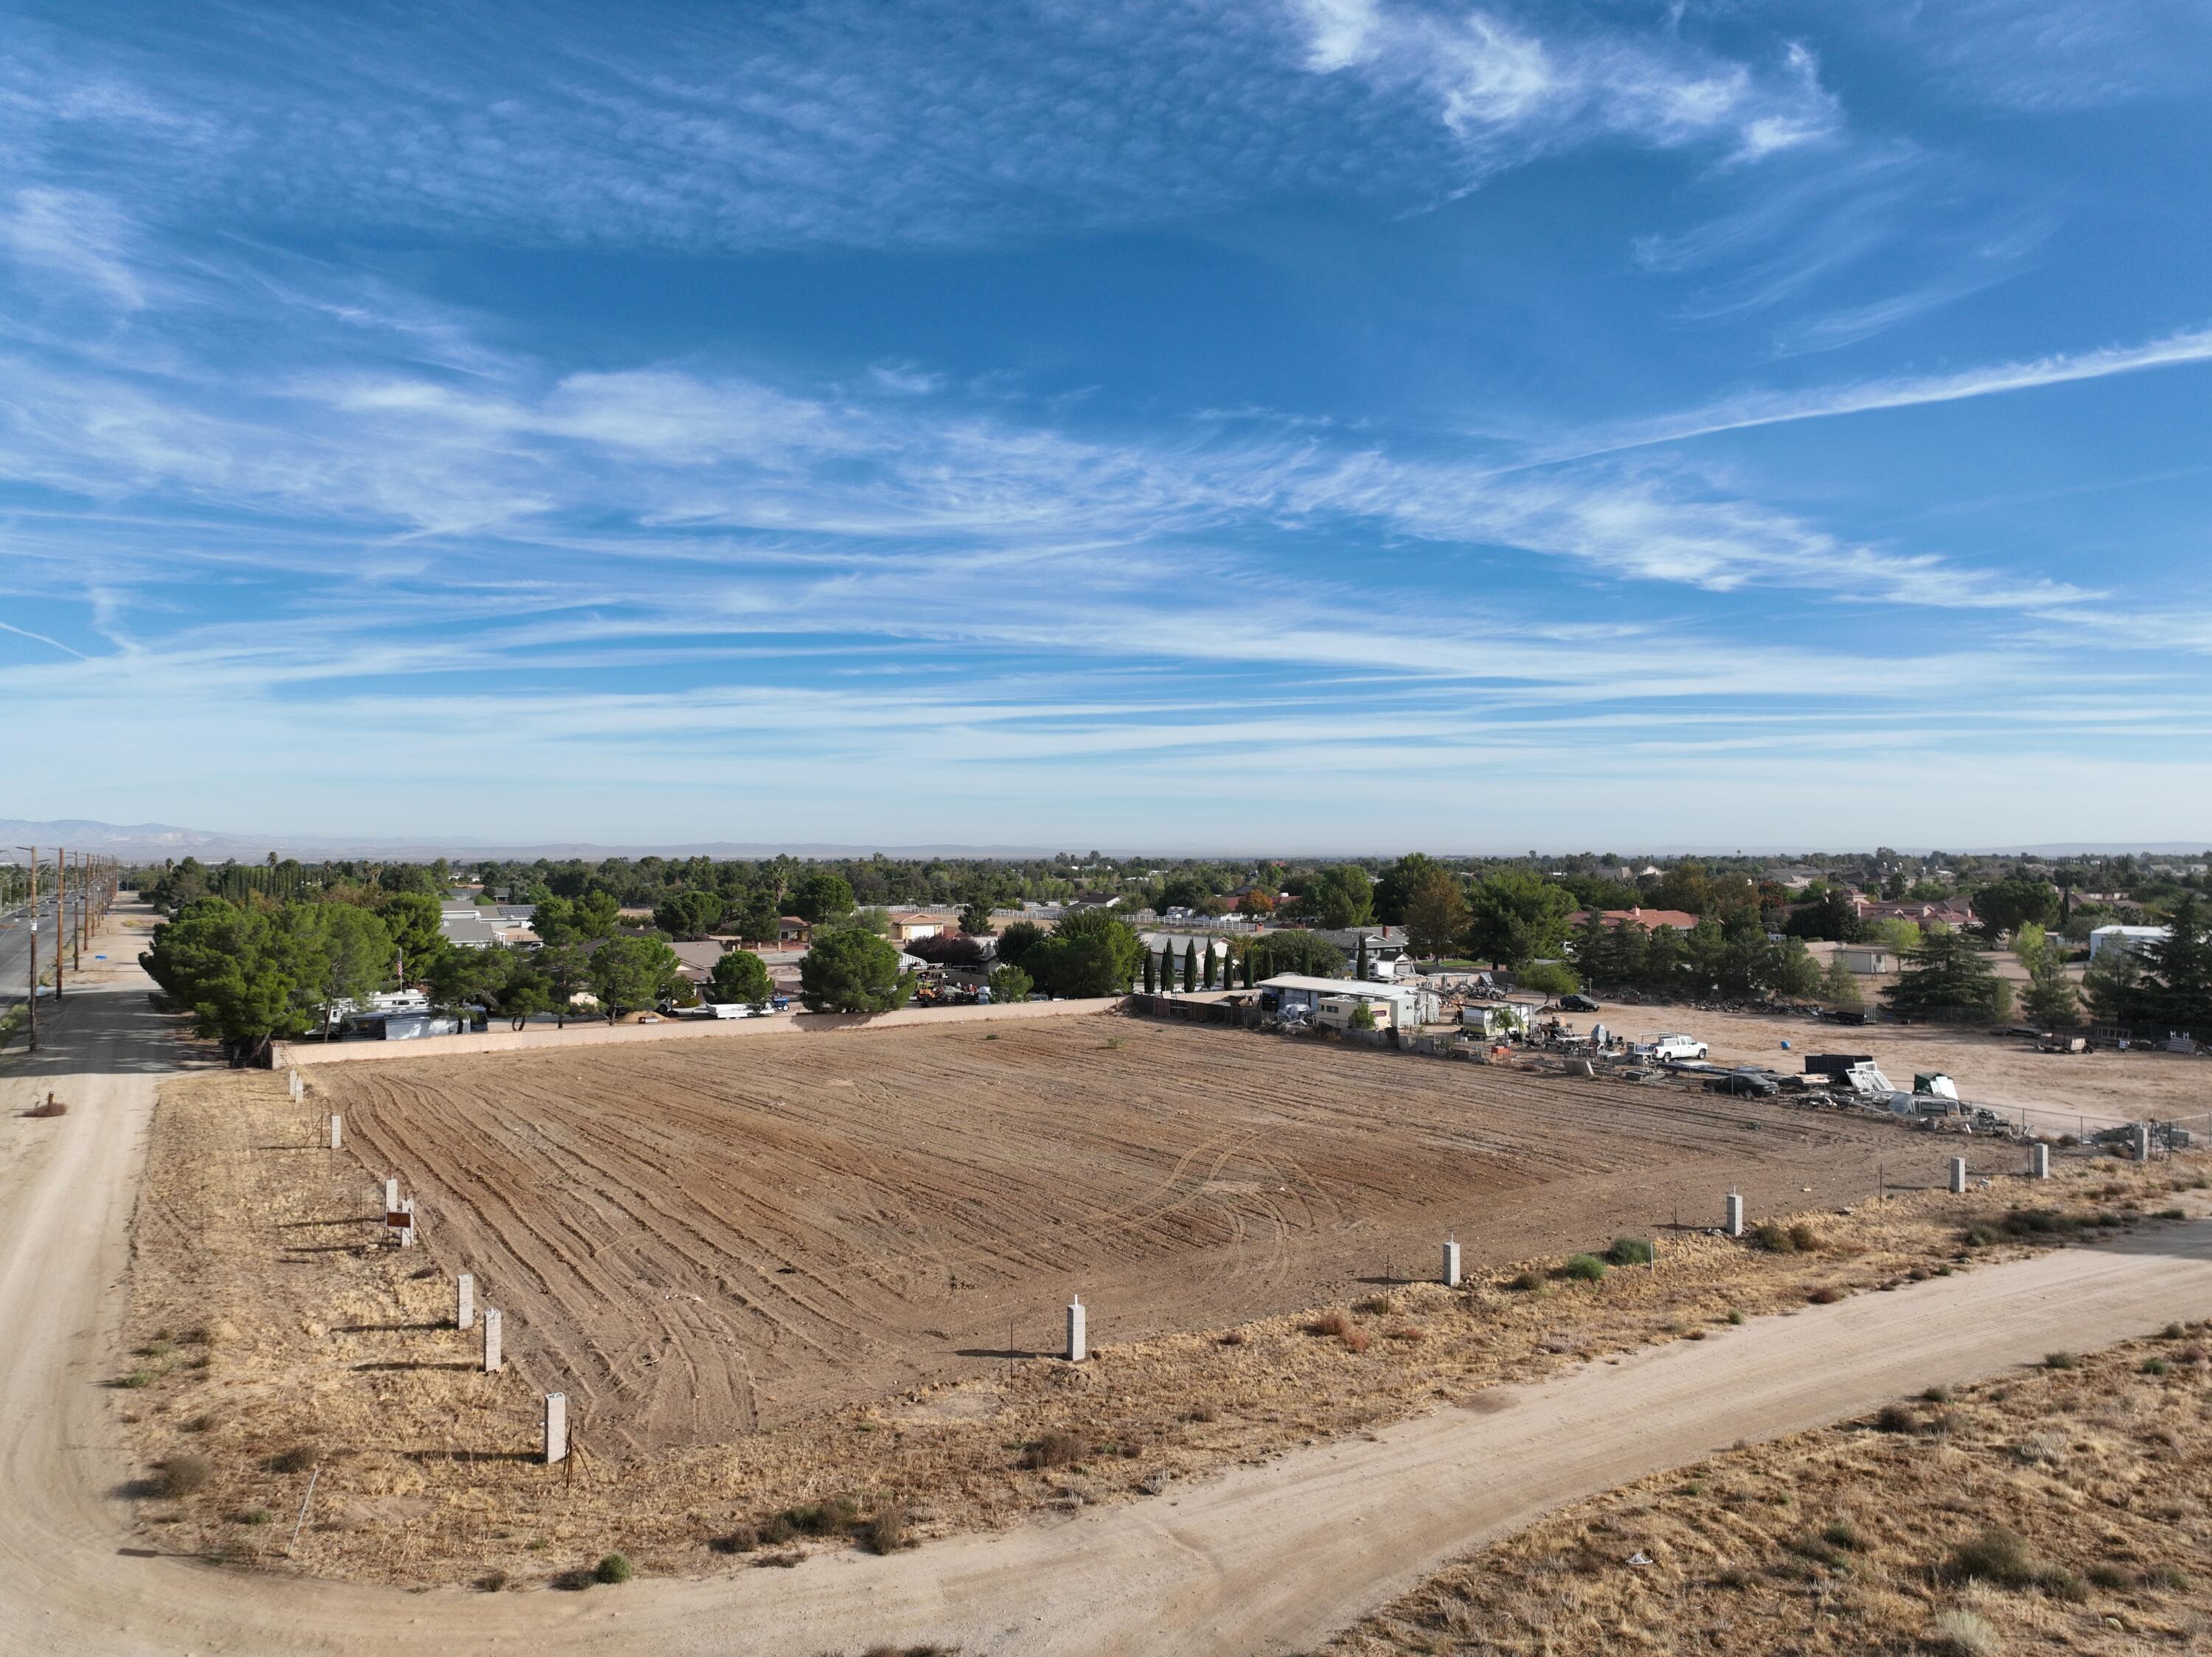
[
  {"x": 16, "y": 946},
  {"x": 1265, "y": 1560}
]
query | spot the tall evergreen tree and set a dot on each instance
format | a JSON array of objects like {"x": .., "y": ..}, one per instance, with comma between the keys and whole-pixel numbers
[
  {"x": 1359, "y": 961},
  {"x": 1948, "y": 978},
  {"x": 2176, "y": 991},
  {"x": 1151, "y": 973},
  {"x": 1190, "y": 966}
]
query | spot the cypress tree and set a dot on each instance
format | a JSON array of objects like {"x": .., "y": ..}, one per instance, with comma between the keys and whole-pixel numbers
[
  {"x": 1190, "y": 966},
  {"x": 1248, "y": 969},
  {"x": 1150, "y": 965},
  {"x": 1167, "y": 968},
  {"x": 1207, "y": 969},
  {"x": 1359, "y": 967}
]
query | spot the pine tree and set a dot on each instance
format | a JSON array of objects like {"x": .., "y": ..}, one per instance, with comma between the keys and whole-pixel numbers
[
  {"x": 1948, "y": 978},
  {"x": 1839, "y": 988},
  {"x": 2176, "y": 991}
]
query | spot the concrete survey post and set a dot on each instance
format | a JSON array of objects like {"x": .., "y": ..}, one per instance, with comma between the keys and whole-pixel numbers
[
  {"x": 1958, "y": 1175},
  {"x": 1734, "y": 1227},
  {"x": 292, "y": 1082},
  {"x": 464, "y": 1301},
  {"x": 1451, "y": 1263},
  {"x": 337, "y": 1130},
  {"x": 1078, "y": 1342},
  {"x": 556, "y": 1428},
  {"x": 407, "y": 1231},
  {"x": 2039, "y": 1162},
  {"x": 2142, "y": 1141},
  {"x": 491, "y": 1353},
  {"x": 391, "y": 1194}
]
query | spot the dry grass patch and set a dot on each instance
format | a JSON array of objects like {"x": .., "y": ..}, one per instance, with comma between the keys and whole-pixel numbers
[{"x": 2062, "y": 1510}]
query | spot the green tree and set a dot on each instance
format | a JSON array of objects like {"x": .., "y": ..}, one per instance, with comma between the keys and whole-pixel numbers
[
  {"x": 821, "y": 896},
  {"x": 1948, "y": 978},
  {"x": 1151, "y": 974},
  {"x": 1359, "y": 960},
  {"x": 1395, "y": 891},
  {"x": 412, "y": 920},
  {"x": 1343, "y": 897},
  {"x": 2112, "y": 985},
  {"x": 2007, "y": 906},
  {"x": 1305, "y": 954},
  {"x": 2176, "y": 988},
  {"x": 461, "y": 976},
  {"x": 1018, "y": 939},
  {"x": 1830, "y": 915},
  {"x": 1189, "y": 966},
  {"x": 849, "y": 971},
  {"x": 527, "y": 989},
  {"x": 597, "y": 913},
  {"x": 689, "y": 915},
  {"x": 567, "y": 971},
  {"x": 248, "y": 975},
  {"x": 1549, "y": 978},
  {"x": 1839, "y": 988},
  {"x": 1517, "y": 917},
  {"x": 1206, "y": 968},
  {"x": 983, "y": 897},
  {"x": 2051, "y": 999},
  {"x": 756, "y": 920},
  {"x": 1362, "y": 1017},
  {"x": 631, "y": 974},
  {"x": 739, "y": 976},
  {"x": 1434, "y": 912},
  {"x": 1792, "y": 970},
  {"x": 1011, "y": 984},
  {"x": 1089, "y": 953}
]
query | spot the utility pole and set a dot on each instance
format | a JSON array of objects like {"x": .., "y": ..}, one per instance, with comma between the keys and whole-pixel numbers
[
  {"x": 33, "y": 1001},
  {"x": 61, "y": 918},
  {"x": 77, "y": 932}
]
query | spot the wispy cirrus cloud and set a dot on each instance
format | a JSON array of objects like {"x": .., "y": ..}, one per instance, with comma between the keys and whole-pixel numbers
[{"x": 1746, "y": 410}]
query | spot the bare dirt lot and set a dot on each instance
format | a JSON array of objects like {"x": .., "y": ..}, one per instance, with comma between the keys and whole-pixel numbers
[
  {"x": 2063, "y": 1509},
  {"x": 697, "y": 1242},
  {"x": 2102, "y": 1088}
]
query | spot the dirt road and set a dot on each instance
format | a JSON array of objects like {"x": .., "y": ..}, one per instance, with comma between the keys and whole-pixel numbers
[{"x": 1201, "y": 1568}]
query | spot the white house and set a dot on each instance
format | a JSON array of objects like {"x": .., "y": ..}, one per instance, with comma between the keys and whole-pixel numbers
[
  {"x": 1399, "y": 1006},
  {"x": 2123, "y": 937}
]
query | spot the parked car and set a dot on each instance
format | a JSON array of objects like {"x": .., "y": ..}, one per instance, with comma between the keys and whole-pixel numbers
[
  {"x": 1578, "y": 1004},
  {"x": 1677, "y": 1046},
  {"x": 1755, "y": 1083}
]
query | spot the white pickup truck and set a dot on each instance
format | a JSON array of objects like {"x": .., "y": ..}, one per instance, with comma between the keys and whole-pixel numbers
[{"x": 1675, "y": 1047}]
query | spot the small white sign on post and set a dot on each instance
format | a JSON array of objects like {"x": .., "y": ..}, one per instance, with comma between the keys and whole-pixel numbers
[{"x": 556, "y": 1428}]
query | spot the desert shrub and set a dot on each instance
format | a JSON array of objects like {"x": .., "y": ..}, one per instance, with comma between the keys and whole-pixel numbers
[
  {"x": 890, "y": 1530},
  {"x": 2169, "y": 1213},
  {"x": 1735, "y": 1316},
  {"x": 2039, "y": 1449},
  {"x": 1937, "y": 1395},
  {"x": 255, "y": 1516},
  {"x": 1527, "y": 1282},
  {"x": 1804, "y": 1239},
  {"x": 1629, "y": 1252},
  {"x": 1585, "y": 1268},
  {"x": 777, "y": 1531},
  {"x": 1732, "y": 1576},
  {"x": 491, "y": 1582},
  {"x": 1335, "y": 1322},
  {"x": 1894, "y": 1418},
  {"x": 1980, "y": 1237},
  {"x": 1234, "y": 1337},
  {"x": 1054, "y": 1450},
  {"x": 2025, "y": 1223},
  {"x": 2166, "y": 1576},
  {"x": 1962, "y": 1633},
  {"x": 1409, "y": 1333},
  {"x": 741, "y": 1538},
  {"x": 136, "y": 1379},
  {"x": 2174, "y": 1332},
  {"x": 612, "y": 1567},
  {"x": 1774, "y": 1239},
  {"x": 2156, "y": 1367},
  {"x": 1826, "y": 1295},
  {"x": 198, "y": 1423},
  {"x": 181, "y": 1475},
  {"x": 297, "y": 1459},
  {"x": 1997, "y": 1556},
  {"x": 2061, "y": 1361},
  {"x": 1355, "y": 1339},
  {"x": 2109, "y": 1576},
  {"x": 833, "y": 1517},
  {"x": 1842, "y": 1533},
  {"x": 1376, "y": 1305}
]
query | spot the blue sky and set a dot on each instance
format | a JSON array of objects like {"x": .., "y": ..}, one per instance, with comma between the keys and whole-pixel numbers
[{"x": 1297, "y": 425}]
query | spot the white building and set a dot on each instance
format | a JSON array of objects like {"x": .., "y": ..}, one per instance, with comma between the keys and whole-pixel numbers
[
  {"x": 2123, "y": 937},
  {"x": 1398, "y": 1006}
]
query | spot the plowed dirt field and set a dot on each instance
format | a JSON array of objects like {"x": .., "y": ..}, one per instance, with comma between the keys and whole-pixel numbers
[{"x": 707, "y": 1237}]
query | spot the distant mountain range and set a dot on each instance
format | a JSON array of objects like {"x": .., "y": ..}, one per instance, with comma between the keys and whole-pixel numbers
[{"x": 147, "y": 841}]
